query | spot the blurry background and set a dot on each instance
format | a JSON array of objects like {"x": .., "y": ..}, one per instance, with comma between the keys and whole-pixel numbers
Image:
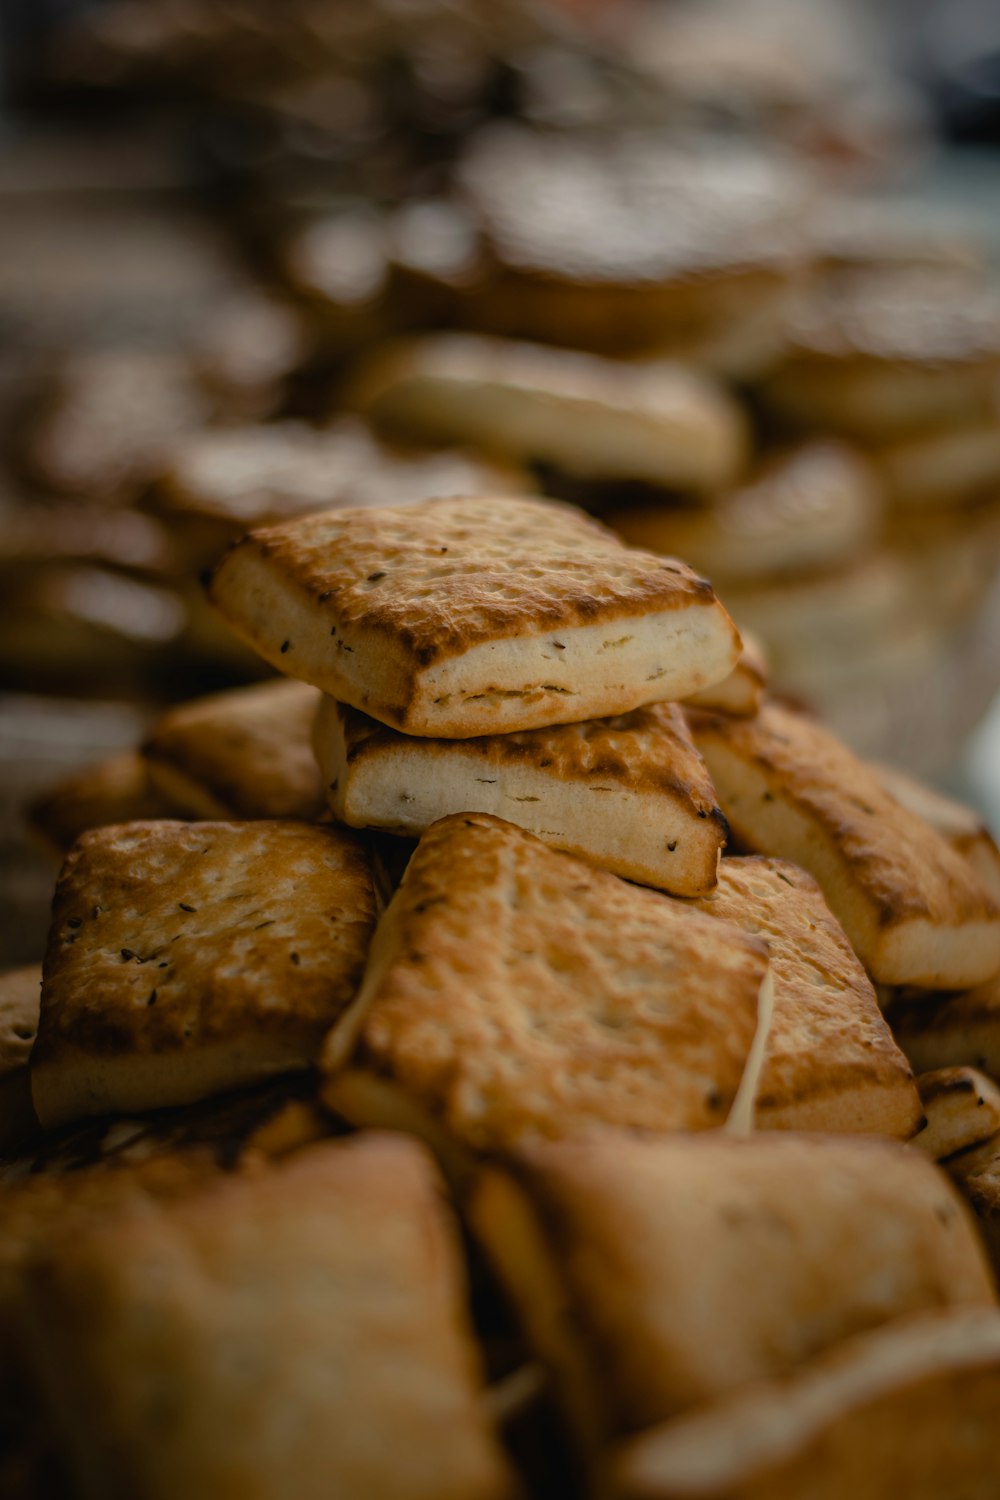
[{"x": 214, "y": 214}]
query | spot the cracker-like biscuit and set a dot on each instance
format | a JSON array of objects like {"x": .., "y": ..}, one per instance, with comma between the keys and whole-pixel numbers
[
  {"x": 114, "y": 790},
  {"x": 513, "y": 990},
  {"x": 961, "y": 1108},
  {"x": 244, "y": 753},
  {"x": 596, "y": 418},
  {"x": 185, "y": 959},
  {"x": 463, "y": 617},
  {"x": 684, "y": 1267},
  {"x": 817, "y": 506},
  {"x": 630, "y": 794},
  {"x": 914, "y": 910},
  {"x": 301, "y": 1331},
  {"x": 962, "y": 826},
  {"x": 944, "y": 1031},
  {"x": 742, "y": 692},
  {"x": 831, "y": 1062},
  {"x": 19, "y": 1002},
  {"x": 909, "y": 1409}
]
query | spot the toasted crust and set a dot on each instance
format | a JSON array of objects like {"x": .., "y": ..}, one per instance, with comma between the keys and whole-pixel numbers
[
  {"x": 943, "y": 1031},
  {"x": 593, "y": 417},
  {"x": 961, "y": 1108},
  {"x": 188, "y": 958},
  {"x": 742, "y": 692},
  {"x": 239, "y": 754},
  {"x": 435, "y": 621},
  {"x": 906, "y": 1410},
  {"x": 792, "y": 1242},
  {"x": 817, "y": 506},
  {"x": 513, "y": 990},
  {"x": 630, "y": 794},
  {"x": 915, "y": 912},
  {"x": 962, "y": 826},
  {"x": 831, "y": 1062},
  {"x": 114, "y": 790},
  {"x": 316, "y": 1310}
]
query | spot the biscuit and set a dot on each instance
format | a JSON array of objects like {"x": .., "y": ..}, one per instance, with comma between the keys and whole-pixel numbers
[
  {"x": 977, "y": 1173},
  {"x": 595, "y": 418},
  {"x": 817, "y": 506},
  {"x": 944, "y": 1031},
  {"x": 185, "y": 959},
  {"x": 513, "y": 991},
  {"x": 114, "y": 790},
  {"x": 831, "y": 1062},
  {"x": 686, "y": 1267},
  {"x": 439, "y": 620},
  {"x": 909, "y": 1409},
  {"x": 302, "y": 1330},
  {"x": 961, "y": 1108},
  {"x": 742, "y": 692},
  {"x": 941, "y": 468},
  {"x": 914, "y": 911},
  {"x": 244, "y": 753},
  {"x": 962, "y": 826},
  {"x": 630, "y": 794}
]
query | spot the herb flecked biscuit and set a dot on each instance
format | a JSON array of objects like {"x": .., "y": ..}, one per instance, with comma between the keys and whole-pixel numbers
[
  {"x": 630, "y": 794},
  {"x": 597, "y": 418},
  {"x": 831, "y": 1062},
  {"x": 189, "y": 958},
  {"x": 691, "y": 1266},
  {"x": 909, "y": 1409},
  {"x": 914, "y": 910},
  {"x": 244, "y": 753},
  {"x": 302, "y": 1331},
  {"x": 463, "y": 617},
  {"x": 513, "y": 990},
  {"x": 944, "y": 1031},
  {"x": 961, "y": 1108}
]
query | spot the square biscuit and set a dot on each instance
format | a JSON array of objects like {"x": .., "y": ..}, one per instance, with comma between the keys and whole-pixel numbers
[
  {"x": 299, "y": 1331},
  {"x": 513, "y": 990},
  {"x": 909, "y": 1409},
  {"x": 185, "y": 959},
  {"x": 244, "y": 753},
  {"x": 914, "y": 910},
  {"x": 831, "y": 1062},
  {"x": 654, "y": 1275},
  {"x": 630, "y": 794},
  {"x": 461, "y": 617}
]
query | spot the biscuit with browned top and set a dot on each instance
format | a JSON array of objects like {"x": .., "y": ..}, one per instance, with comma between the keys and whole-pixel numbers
[
  {"x": 914, "y": 910},
  {"x": 463, "y": 617},
  {"x": 831, "y": 1062},
  {"x": 943, "y": 1031},
  {"x": 961, "y": 1109},
  {"x": 513, "y": 991},
  {"x": 630, "y": 794},
  {"x": 185, "y": 959},
  {"x": 244, "y": 753}
]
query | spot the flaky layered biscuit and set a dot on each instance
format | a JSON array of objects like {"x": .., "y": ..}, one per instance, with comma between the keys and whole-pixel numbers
[
  {"x": 656, "y": 1275},
  {"x": 630, "y": 794},
  {"x": 244, "y": 753},
  {"x": 914, "y": 910},
  {"x": 305, "y": 1329},
  {"x": 961, "y": 1109},
  {"x": 463, "y": 617},
  {"x": 515, "y": 991},
  {"x": 831, "y": 1062},
  {"x": 909, "y": 1409},
  {"x": 742, "y": 692},
  {"x": 600, "y": 419},
  {"x": 817, "y": 506},
  {"x": 189, "y": 958}
]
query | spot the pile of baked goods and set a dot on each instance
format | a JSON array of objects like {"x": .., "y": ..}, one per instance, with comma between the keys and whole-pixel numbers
[{"x": 482, "y": 1063}]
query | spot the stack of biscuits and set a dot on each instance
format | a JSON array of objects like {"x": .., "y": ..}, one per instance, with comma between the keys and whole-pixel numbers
[{"x": 514, "y": 1092}]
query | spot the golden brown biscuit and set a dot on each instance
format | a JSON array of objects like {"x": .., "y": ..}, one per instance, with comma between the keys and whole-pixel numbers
[
  {"x": 913, "y": 909},
  {"x": 630, "y": 794},
  {"x": 962, "y": 826},
  {"x": 114, "y": 790},
  {"x": 185, "y": 959},
  {"x": 441, "y": 619},
  {"x": 244, "y": 753},
  {"x": 513, "y": 991},
  {"x": 909, "y": 1409},
  {"x": 961, "y": 1108},
  {"x": 831, "y": 1062},
  {"x": 977, "y": 1173},
  {"x": 943, "y": 1031},
  {"x": 596, "y": 418},
  {"x": 300, "y": 1331},
  {"x": 742, "y": 692},
  {"x": 656, "y": 1275}
]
